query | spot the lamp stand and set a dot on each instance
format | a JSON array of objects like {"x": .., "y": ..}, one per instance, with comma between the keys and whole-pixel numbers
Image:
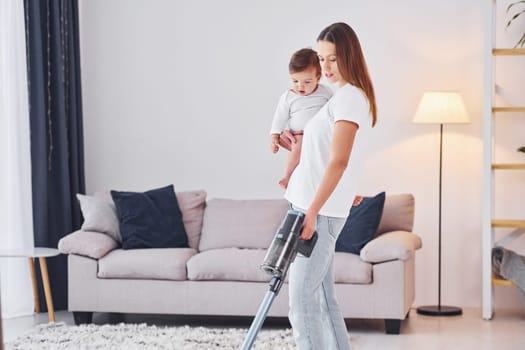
[
  {"x": 439, "y": 310},
  {"x": 1, "y": 337}
]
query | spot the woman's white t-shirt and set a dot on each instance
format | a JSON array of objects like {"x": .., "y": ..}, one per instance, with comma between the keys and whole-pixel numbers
[{"x": 348, "y": 103}]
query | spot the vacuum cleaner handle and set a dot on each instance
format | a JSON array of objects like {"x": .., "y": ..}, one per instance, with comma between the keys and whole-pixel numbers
[
  {"x": 281, "y": 253},
  {"x": 306, "y": 246}
]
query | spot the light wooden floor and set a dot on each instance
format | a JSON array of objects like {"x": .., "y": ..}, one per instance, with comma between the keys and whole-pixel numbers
[{"x": 506, "y": 331}]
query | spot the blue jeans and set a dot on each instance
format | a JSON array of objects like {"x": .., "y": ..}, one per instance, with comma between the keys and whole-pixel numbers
[{"x": 316, "y": 318}]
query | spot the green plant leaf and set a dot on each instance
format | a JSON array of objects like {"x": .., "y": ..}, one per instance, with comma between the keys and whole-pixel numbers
[
  {"x": 521, "y": 42},
  {"x": 514, "y": 17},
  {"x": 514, "y": 3}
]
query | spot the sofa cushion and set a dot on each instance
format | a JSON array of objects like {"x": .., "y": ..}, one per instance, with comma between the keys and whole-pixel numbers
[
  {"x": 152, "y": 263},
  {"x": 391, "y": 246},
  {"x": 398, "y": 213},
  {"x": 234, "y": 264},
  {"x": 100, "y": 215},
  {"x": 91, "y": 244},
  {"x": 191, "y": 204},
  {"x": 229, "y": 223},
  {"x": 361, "y": 224},
  {"x": 150, "y": 219},
  {"x": 349, "y": 268},
  {"x": 228, "y": 264}
]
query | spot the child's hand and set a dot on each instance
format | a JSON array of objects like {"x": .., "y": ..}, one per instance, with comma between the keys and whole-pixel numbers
[
  {"x": 357, "y": 200},
  {"x": 275, "y": 143}
]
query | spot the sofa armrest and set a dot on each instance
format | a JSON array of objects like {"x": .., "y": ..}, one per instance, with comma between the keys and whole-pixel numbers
[
  {"x": 87, "y": 243},
  {"x": 395, "y": 245}
]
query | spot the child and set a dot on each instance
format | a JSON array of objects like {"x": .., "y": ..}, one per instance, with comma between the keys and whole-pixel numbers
[{"x": 298, "y": 104}]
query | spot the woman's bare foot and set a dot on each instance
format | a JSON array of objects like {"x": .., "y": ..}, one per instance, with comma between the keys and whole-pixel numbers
[{"x": 284, "y": 182}]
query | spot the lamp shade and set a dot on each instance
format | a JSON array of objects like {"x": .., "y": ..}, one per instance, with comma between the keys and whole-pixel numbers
[{"x": 441, "y": 107}]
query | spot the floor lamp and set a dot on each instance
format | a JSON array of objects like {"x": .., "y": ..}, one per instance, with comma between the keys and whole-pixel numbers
[{"x": 439, "y": 107}]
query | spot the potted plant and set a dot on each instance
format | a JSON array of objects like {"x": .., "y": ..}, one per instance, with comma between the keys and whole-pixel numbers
[{"x": 520, "y": 42}]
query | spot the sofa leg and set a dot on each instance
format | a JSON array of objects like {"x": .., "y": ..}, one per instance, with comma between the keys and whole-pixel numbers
[
  {"x": 392, "y": 326},
  {"x": 82, "y": 317},
  {"x": 116, "y": 317}
]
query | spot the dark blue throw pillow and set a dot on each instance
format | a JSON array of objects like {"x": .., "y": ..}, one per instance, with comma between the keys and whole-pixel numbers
[
  {"x": 150, "y": 219},
  {"x": 361, "y": 224}
]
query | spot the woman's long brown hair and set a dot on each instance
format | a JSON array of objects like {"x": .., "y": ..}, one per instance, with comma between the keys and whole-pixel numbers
[{"x": 351, "y": 61}]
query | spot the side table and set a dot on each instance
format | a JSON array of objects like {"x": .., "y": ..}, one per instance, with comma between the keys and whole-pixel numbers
[{"x": 32, "y": 254}]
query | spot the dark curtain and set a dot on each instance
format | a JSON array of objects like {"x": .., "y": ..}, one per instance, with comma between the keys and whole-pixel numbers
[{"x": 57, "y": 154}]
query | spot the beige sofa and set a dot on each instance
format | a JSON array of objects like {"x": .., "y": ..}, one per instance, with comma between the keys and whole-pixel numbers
[{"x": 219, "y": 274}]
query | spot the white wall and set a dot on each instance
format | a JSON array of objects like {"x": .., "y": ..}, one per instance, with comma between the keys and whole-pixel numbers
[{"x": 183, "y": 92}]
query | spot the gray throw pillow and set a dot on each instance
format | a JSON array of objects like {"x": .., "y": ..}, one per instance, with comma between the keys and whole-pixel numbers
[{"x": 99, "y": 216}]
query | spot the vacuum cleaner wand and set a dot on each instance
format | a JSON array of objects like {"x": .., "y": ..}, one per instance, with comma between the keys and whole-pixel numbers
[{"x": 281, "y": 253}]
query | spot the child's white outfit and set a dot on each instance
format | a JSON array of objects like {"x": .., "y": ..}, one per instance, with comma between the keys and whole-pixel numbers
[{"x": 294, "y": 111}]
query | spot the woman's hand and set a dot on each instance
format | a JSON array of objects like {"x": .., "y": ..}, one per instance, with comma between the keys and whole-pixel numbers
[
  {"x": 309, "y": 225},
  {"x": 286, "y": 139}
]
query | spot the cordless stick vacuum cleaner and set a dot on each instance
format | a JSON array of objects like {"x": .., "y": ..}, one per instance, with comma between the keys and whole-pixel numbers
[{"x": 283, "y": 249}]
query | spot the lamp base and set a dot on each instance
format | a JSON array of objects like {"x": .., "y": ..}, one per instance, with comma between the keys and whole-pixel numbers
[{"x": 439, "y": 310}]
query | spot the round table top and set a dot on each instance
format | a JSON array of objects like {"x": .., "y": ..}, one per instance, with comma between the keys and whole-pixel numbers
[{"x": 37, "y": 252}]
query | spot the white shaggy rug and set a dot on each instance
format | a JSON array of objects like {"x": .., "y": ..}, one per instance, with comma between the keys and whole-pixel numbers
[{"x": 58, "y": 336}]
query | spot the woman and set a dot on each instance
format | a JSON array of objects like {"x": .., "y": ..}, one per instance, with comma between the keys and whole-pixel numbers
[{"x": 324, "y": 185}]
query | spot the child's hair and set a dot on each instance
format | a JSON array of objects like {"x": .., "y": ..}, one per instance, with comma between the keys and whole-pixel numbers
[{"x": 302, "y": 60}]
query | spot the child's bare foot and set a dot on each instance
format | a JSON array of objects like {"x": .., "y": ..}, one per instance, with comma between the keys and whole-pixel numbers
[{"x": 284, "y": 182}]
